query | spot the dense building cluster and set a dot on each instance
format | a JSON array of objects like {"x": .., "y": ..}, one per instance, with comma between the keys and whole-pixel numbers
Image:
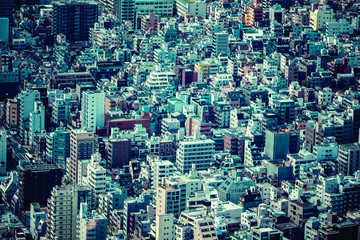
[{"x": 179, "y": 119}]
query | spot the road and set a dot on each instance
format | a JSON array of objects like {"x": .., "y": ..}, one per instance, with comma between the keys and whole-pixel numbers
[{"x": 18, "y": 152}]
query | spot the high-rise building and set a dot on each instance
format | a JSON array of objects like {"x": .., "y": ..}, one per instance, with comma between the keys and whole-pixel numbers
[
  {"x": 93, "y": 109},
  {"x": 3, "y": 149},
  {"x": 254, "y": 15},
  {"x": 280, "y": 142},
  {"x": 26, "y": 102},
  {"x": 82, "y": 144},
  {"x": 6, "y": 9},
  {"x": 195, "y": 8},
  {"x": 61, "y": 110},
  {"x": 96, "y": 176},
  {"x": 162, "y": 169},
  {"x": 132, "y": 205},
  {"x": 163, "y": 8},
  {"x": 12, "y": 112},
  {"x": 36, "y": 121},
  {"x": 63, "y": 208},
  {"x": 118, "y": 151},
  {"x": 35, "y": 184},
  {"x": 125, "y": 10},
  {"x": 58, "y": 146},
  {"x": 276, "y": 13},
  {"x": 195, "y": 150},
  {"x": 319, "y": 17},
  {"x": 74, "y": 18},
  {"x": 4, "y": 29},
  {"x": 349, "y": 158},
  {"x": 220, "y": 43}
]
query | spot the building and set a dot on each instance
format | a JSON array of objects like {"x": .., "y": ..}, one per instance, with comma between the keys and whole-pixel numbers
[
  {"x": 81, "y": 147},
  {"x": 338, "y": 28},
  {"x": 36, "y": 121},
  {"x": 96, "y": 176},
  {"x": 279, "y": 143},
  {"x": 161, "y": 169},
  {"x": 26, "y": 104},
  {"x": 195, "y": 150},
  {"x": 37, "y": 219},
  {"x": 300, "y": 210},
  {"x": 3, "y": 151},
  {"x": 4, "y": 29},
  {"x": 12, "y": 112},
  {"x": 349, "y": 158},
  {"x": 91, "y": 224},
  {"x": 162, "y": 8},
  {"x": 6, "y": 9},
  {"x": 172, "y": 193},
  {"x": 319, "y": 17},
  {"x": 149, "y": 22},
  {"x": 61, "y": 80},
  {"x": 61, "y": 110},
  {"x": 276, "y": 13},
  {"x": 165, "y": 228},
  {"x": 58, "y": 146},
  {"x": 118, "y": 151},
  {"x": 93, "y": 110},
  {"x": 63, "y": 208},
  {"x": 35, "y": 184},
  {"x": 254, "y": 16},
  {"x": 74, "y": 19},
  {"x": 202, "y": 226},
  {"x": 125, "y": 10},
  {"x": 194, "y": 124},
  {"x": 220, "y": 43},
  {"x": 195, "y": 8}
]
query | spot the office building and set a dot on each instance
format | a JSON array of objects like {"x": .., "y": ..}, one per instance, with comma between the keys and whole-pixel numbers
[
  {"x": 63, "y": 208},
  {"x": 118, "y": 151},
  {"x": 61, "y": 110},
  {"x": 349, "y": 158},
  {"x": 319, "y": 17},
  {"x": 173, "y": 191},
  {"x": 12, "y": 112},
  {"x": 195, "y": 8},
  {"x": 37, "y": 219},
  {"x": 35, "y": 184},
  {"x": 125, "y": 10},
  {"x": 165, "y": 228},
  {"x": 74, "y": 19},
  {"x": 81, "y": 147},
  {"x": 93, "y": 110},
  {"x": 36, "y": 121},
  {"x": 163, "y": 8},
  {"x": 96, "y": 176},
  {"x": 220, "y": 43},
  {"x": 280, "y": 142},
  {"x": 6, "y": 10},
  {"x": 4, "y": 29},
  {"x": 26, "y": 104},
  {"x": 195, "y": 150},
  {"x": 58, "y": 146},
  {"x": 3, "y": 150},
  {"x": 254, "y": 16}
]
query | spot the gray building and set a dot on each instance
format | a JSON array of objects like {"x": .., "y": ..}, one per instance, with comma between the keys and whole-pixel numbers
[
  {"x": 58, "y": 146},
  {"x": 220, "y": 43},
  {"x": 74, "y": 19},
  {"x": 280, "y": 142}
]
